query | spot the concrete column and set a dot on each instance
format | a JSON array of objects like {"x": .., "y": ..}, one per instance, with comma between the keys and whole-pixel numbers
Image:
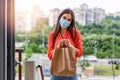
[{"x": 31, "y": 70}]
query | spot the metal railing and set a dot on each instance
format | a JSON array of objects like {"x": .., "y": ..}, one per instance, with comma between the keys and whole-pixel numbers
[
  {"x": 41, "y": 71},
  {"x": 20, "y": 50}
]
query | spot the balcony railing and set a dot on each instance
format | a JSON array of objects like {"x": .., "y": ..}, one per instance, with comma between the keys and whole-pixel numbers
[{"x": 19, "y": 51}]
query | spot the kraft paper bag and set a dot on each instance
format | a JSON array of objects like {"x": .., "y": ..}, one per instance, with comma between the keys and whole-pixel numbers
[{"x": 64, "y": 62}]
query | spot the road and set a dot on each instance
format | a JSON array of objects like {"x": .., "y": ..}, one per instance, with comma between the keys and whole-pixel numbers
[{"x": 102, "y": 62}]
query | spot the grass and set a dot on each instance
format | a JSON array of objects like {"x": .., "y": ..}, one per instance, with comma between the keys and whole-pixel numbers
[{"x": 106, "y": 71}]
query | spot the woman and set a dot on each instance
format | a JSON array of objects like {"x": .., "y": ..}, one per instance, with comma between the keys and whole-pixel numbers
[{"x": 64, "y": 47}]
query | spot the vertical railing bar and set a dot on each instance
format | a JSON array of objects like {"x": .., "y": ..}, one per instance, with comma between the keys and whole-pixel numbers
[
  {"x": 41, "y": 71},
  {"x": 20, "y": 60}
]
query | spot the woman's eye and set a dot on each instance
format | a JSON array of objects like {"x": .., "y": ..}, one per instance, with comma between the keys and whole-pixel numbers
[
  {"x": 69, "y": 20},
  {"x": 64, "y": 17}
]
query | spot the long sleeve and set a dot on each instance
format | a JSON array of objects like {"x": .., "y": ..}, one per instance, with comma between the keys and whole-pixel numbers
[
  {"x": 78, "y": 44},
  {"x": 50, "y": 45}
]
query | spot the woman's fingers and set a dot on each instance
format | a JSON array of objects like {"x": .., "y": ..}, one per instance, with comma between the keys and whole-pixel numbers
[
  {"x": 64, "y": 43},
  {"x": 67, "y": 42},
  {"x": 61, "y": 43}
]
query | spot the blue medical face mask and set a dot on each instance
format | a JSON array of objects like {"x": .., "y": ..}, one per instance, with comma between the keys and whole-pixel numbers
[{"x": 64, "y": 23}]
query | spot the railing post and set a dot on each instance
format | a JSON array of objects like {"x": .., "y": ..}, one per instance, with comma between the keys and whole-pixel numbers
[
  {"x": 41, "y": 71},
  {"x": 20, "y": 60}
]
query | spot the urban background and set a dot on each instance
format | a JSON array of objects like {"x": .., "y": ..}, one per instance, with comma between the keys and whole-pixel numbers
[{"x": 100, "y": 32}]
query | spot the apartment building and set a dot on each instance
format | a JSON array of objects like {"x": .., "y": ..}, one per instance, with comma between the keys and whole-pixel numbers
[
  {"x": 117, "y": 14},
  {"x": 53, "y": 15},
  {"x": 25, "y": 20},
  {"x": 83, "y": 15},
  {"x": 99, "y": 15}
]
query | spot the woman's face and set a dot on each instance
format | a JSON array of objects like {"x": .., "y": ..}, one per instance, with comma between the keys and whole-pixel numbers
[{"x": 67, "y": 17}]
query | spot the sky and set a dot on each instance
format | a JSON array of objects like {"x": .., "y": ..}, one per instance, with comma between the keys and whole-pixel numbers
[{"x": 110, "y": 6}]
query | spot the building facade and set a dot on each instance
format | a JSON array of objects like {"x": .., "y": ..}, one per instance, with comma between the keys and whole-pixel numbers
[
  {"x": 53, "y": 15},
  {"x": 83, "y": 15},
  {"x": 25, "y": 20}
]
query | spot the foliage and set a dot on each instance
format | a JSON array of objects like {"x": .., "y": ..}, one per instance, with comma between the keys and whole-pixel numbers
[
  {"x": 104, "y": 45},
  {"x": 106, "y": 71},
  {"x": 84, "y": 64},
  {"x": 102, "y": 33},
  {"x": 117, "y": 66},
  {"x": 28, "y": 54}
]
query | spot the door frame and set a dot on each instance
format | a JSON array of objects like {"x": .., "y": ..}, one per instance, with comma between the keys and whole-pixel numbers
[
  {"x": 7, "y": 40},
  {"x": 3, "y": 42}
]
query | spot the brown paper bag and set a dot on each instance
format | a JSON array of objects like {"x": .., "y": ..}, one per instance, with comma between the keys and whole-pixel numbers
[{"x": 64, "y": 62}]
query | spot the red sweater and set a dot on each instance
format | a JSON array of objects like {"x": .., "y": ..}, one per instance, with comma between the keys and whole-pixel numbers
[{"x": 77, "y": 43}]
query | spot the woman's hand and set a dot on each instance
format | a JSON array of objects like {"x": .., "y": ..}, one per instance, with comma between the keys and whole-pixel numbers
[
  {"x": 68, "y": 44},
  {"x": 64, "y": 43},
  {"x": 60, "y": 44}
]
